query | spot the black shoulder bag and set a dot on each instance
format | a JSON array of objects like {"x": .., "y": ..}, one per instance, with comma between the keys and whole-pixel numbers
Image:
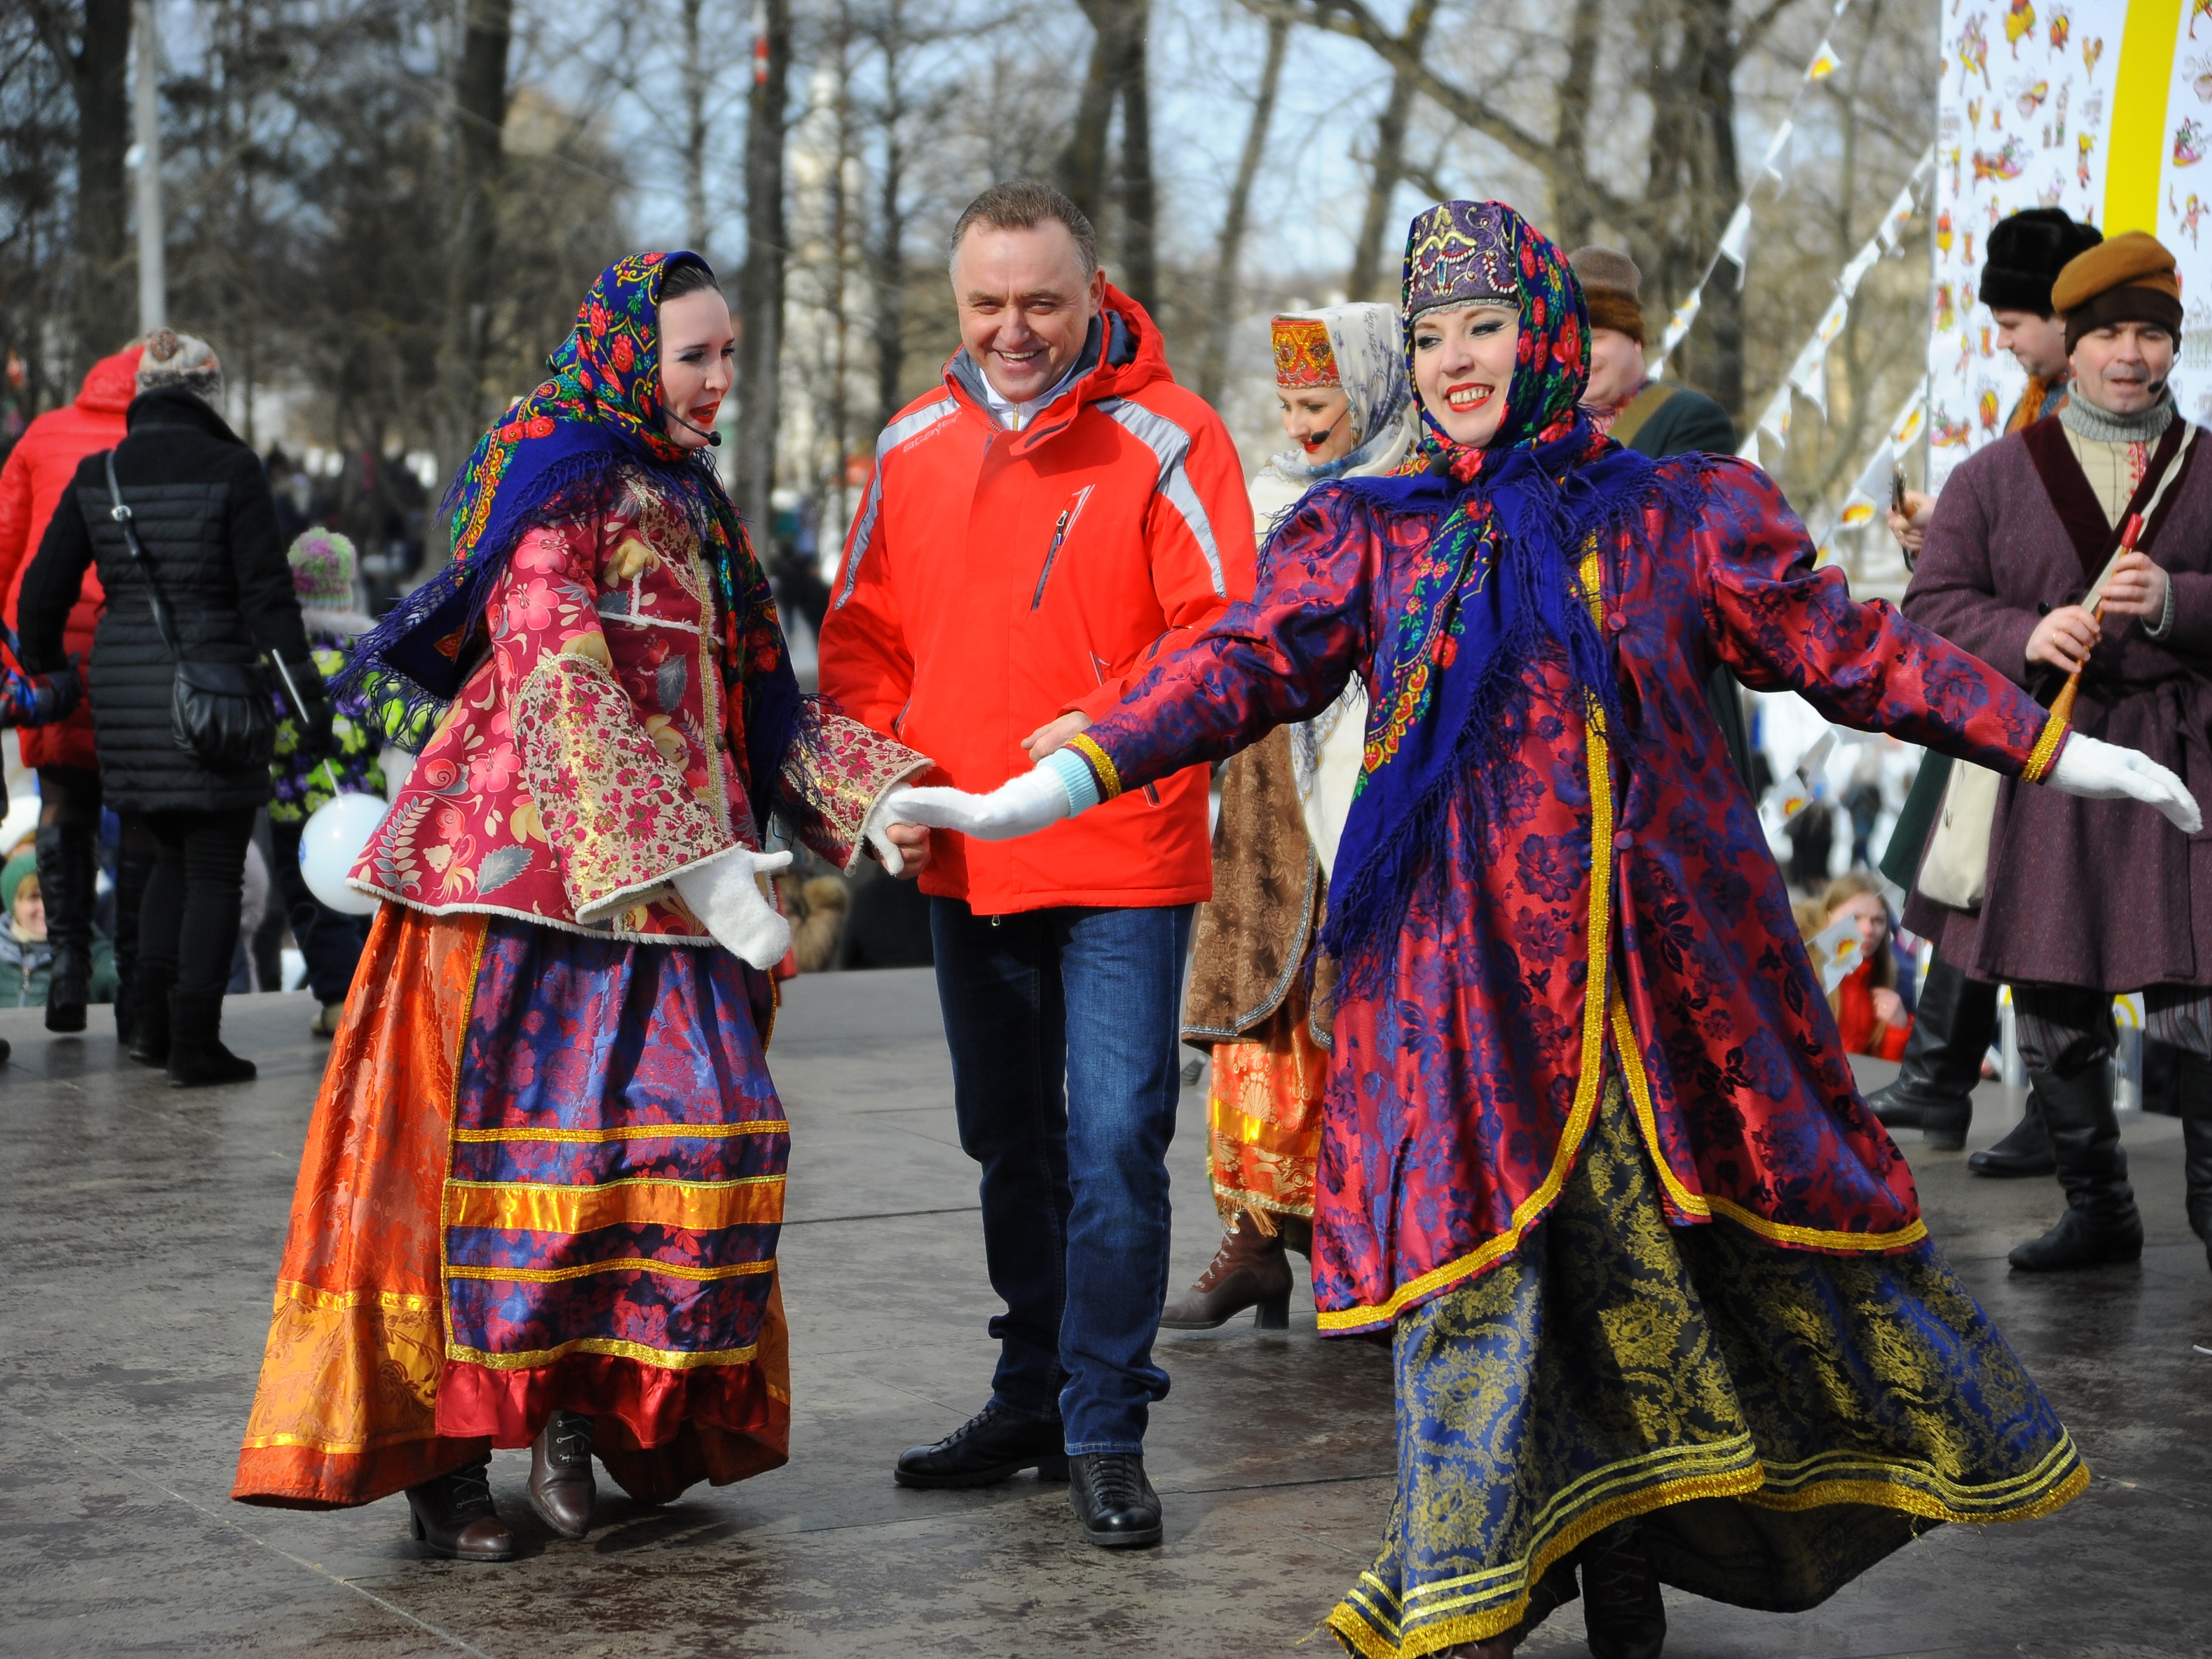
[{"x": 219, "y": 713}]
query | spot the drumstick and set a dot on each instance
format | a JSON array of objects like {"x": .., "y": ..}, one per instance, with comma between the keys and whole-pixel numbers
[{"x": 2062, "y": 706}]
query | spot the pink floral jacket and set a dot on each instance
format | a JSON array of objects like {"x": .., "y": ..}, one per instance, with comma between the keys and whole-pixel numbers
[{"x": 585, "y": 763}]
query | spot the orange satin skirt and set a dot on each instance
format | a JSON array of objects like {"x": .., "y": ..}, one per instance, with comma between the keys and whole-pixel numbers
[{"x": 1263, "y": 1118}]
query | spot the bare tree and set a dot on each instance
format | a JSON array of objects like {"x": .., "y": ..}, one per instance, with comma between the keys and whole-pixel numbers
[
  {"x": 1388, "y": 169},
  {"x": 760, "y": 286},
  {"x": 91, "y": 45},
  {"x": 1213, "y": 366},
  {"x": 480, "y": 95},
  {"x": 1118, "y": 74}
]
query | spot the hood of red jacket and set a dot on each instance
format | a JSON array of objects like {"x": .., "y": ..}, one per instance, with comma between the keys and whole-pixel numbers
[
  {"x": 111, "y": 383},
  {"x": 1123, "y": 355}
]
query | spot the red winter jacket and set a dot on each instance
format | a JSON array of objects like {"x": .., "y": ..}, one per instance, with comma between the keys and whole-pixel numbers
[
  {"x": 39, "y": 470},
  {"x": 995, "y": 580}
]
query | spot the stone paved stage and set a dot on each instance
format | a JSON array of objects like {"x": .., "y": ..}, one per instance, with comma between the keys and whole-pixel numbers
[{"x": 141, "y": 1235}]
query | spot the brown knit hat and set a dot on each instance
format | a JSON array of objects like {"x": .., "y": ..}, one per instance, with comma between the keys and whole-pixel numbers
[
  {"x": 1612, "y": 290},
  {"x": 2129, "y": 278}
]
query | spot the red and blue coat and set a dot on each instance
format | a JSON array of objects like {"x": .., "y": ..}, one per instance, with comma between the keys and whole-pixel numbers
[{"x": 1615, "y": 910}]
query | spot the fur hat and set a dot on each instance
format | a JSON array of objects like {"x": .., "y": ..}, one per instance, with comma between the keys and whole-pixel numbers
[
  {"x": 2130, "y": 279},
  {"x": 1613, "y": 289},
  {"x": 174, "y": 359},
  {"x": 322, "y": 568},
  {"x": 2024, "y": 254}
]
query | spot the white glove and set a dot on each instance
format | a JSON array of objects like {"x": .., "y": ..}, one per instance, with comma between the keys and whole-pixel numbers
[
  {"x": 886, "y": 813},
  {"x": 1034, "y": 801},
  {"x": 398, "y": 766},
  {"x": 724, "y": 895},
  {"x": 2104, "y": 771}
]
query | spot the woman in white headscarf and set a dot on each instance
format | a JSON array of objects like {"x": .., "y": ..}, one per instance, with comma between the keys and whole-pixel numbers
[{"x": 1258, "y": 992}]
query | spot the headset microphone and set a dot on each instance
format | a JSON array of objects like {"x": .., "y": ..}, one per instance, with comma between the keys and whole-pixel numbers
[
  {"x": 1315, "y": 440},
  {"x": 713, "y": 439}
]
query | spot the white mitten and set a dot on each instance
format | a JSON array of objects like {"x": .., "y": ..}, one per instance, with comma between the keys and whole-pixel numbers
[
  {"x": 886, "y": 813},
  {"x": 723, "y": 894},
  {"x": 2104, "y": 771},
  {"x": 1032, "y": 802}
]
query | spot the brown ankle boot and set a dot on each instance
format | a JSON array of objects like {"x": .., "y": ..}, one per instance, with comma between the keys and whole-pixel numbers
[
  {"x": 1249, "y": 1270},
  {"x": 454, "y": 1516},
  {"x": 562, "y": 1488}
]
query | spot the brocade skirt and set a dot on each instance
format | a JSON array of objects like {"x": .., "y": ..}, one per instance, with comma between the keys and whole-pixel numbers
[
  {"x": 545, "y": 1171},
  {"x": 1782, "y": 1419}
]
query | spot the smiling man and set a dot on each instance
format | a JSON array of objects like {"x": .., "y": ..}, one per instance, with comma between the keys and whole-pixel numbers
[
  {"x": 1053, "y": 519},
  {"x": 2083, "y": 901}
]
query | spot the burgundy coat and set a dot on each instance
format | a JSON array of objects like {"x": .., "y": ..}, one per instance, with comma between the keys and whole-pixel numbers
[{"x": 2101, "y": 894}]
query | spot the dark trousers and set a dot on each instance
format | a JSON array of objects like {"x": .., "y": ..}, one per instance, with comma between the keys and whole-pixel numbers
[
  {"x": 188, "y": 921},
  {"x": 2064, "y": 1030},
  {"x": 330, "y": 940},
  {"x": 1062, "y": 1026}
]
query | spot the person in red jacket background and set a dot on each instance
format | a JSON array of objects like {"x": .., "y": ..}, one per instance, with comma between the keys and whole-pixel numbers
[
  {"x": 1873, "y": 1004},
  {"x": 1055, "y": 518},
  {"x": 39, "y": 470}
]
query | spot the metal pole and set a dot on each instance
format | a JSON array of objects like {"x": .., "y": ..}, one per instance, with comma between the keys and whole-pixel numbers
[{"x": 153, "y": 279}]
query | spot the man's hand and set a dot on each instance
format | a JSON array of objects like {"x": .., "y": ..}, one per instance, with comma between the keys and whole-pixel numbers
[
  {"x": 1911, "y": 526},
  {"x": 2136, "y": 586},
  {"x": 1889, "y": 1006},
  {"x": 2104, "y": 771},
  {"x": 899, "y": 843},
  {"x": 1054, "y": 734},
  {"x": 2064, "y": 638}
]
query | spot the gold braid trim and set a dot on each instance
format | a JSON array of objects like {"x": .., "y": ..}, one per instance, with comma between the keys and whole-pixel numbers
[
  {"x": 2044, "y": 755},
  {"x": 661, "y": 1357},
  {"x": 614, "y": 1265},
  {"x": 1102, "y": 764}
]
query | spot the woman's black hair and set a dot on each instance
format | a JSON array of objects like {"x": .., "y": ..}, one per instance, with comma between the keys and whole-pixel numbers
[{"x": 687, "y": 273}]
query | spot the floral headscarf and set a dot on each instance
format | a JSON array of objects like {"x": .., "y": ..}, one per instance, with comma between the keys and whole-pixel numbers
[
  {"x": 1497, "y": 585},
  {"x": 558, "y": 453}
]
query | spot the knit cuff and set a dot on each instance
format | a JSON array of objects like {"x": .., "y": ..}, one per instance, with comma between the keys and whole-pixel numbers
[
  {"x": 2164, "y": 625},
  {"x": 1075, "y": 777}
]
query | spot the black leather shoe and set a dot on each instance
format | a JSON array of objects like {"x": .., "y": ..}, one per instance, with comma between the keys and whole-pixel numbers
[
  {"x": 2075, "y": 1243},
  {"x": 2025, "y": 1151},
  {"x": 1623, "y": 1617},
  {"x": 453, "y": 1517},
  {"x": 992, "y": 1446},
  {"x": 1116, "y": 1505},
  {"x": 1943, "y": 1123}
]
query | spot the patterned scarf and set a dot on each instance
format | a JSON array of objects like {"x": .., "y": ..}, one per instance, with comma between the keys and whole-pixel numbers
[
  {"x": 1495, "y": 587},
  {"x": 559, "y": 454}
]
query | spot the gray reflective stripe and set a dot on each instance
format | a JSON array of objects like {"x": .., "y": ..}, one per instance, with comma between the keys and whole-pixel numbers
[
  {"x": 906, "y": 426},
  {"x": 1172, "y": 444}
]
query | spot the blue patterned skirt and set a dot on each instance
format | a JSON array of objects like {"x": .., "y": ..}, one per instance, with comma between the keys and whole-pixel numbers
[{"x": 1782, "y": 1420}]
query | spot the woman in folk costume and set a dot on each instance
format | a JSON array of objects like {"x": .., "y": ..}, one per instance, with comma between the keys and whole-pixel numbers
[
  {"x": 1660, "y": 1304},
  {"x": 542, "y": 1188},
  {"x": 1259, "y": 987}
]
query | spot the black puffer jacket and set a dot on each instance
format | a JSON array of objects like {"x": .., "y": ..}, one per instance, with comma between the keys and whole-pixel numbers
[{"x": 208, "y": 523}]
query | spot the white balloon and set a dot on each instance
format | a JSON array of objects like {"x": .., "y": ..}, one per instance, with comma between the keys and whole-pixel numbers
[{"x": 332, "y": 844}]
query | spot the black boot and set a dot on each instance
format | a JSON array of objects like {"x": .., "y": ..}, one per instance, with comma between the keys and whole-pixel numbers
[
  {"x": 134, "y": 866},
  {"x": 454, "y": 1517},
  {"x": 2101, "y": 1224},
  {"x": 1623, "y": 1617},
  {"x": 149, "y": 1013},
  {"x": 992, "y": 1446},
  {"x": 196, "y": 1056},
  {"x": 2193, "y": 1081},
  {"x": 65, "y": 881},
  {"x": 1934, "y": 1091},
  {"x": 2025, "y": 1151}
]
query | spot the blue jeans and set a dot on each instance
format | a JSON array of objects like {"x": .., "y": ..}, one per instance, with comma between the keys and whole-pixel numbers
[{"x": 1062, "y": 1025}]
